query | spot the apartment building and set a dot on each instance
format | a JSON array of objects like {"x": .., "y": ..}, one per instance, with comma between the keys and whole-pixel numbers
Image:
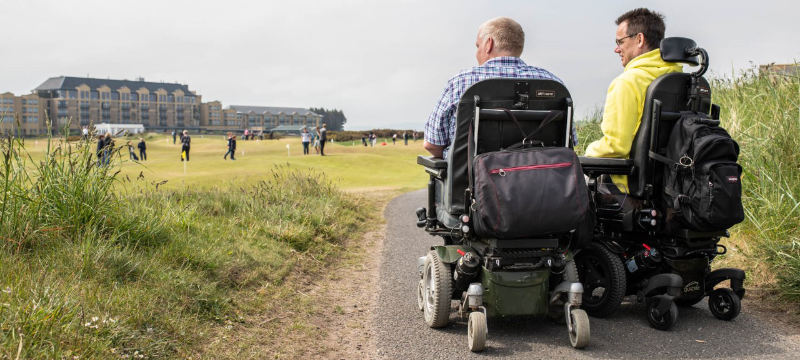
[{"x": 76, "y": 102}]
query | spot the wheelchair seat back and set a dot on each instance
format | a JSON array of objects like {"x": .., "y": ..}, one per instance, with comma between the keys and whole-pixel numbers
[
  {"x": 666, "y": 97},
  {"x": 531, "y": 100}
]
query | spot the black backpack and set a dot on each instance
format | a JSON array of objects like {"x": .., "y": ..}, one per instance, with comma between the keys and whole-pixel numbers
[{"x": 702, "y": 181}]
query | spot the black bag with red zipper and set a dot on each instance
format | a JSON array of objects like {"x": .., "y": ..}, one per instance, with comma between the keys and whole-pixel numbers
[{"x": 526, "y": 191}]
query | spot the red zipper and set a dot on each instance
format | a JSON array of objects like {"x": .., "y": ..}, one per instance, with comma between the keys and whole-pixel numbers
[{"x": 529, "y": 167}]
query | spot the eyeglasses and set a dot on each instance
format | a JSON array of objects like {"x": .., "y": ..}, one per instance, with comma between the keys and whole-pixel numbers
[{"x": 619, "y": 41}]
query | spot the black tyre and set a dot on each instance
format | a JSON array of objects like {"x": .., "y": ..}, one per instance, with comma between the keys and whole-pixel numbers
[
  {"x": 724, "y": 304},
  {"x": 603, "y": 278},
  {"x": 476, "y": 331},
  {"x": 689, "y": 302},
  {"x": 665, "y": 321},
  {"x": 437, "y": 290}
]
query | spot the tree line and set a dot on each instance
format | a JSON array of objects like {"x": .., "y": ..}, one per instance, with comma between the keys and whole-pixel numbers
[{"x": 333, "y": 117}]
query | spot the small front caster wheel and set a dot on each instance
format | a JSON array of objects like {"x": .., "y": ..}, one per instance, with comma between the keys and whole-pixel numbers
[
  {"x": 579, "y": 336},
  {"x": 724, "y": 304},
  {"x": 476, "y": 331},
  {"x": 421, "y": 295},
  {"x": 665, "y": 321}
]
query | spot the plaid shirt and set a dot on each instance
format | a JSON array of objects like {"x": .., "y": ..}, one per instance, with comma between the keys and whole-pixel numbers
[{"x": 441, "y": 126}]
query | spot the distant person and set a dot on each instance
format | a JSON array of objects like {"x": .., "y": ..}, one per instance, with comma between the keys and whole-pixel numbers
[
  {"x": 394, "y": 139},
  {"x": 323, "y": 138},
  {"x": 364, "y": 139},
  {"x": 315, "y": 137},
  {"x": 305, "y": 137},
  {"x": 405, "y": 137},
  {"x": 174, "y": 137},
  {"x": 85, "y": 132},
  {"x": 500, "y": 42},
  {"x": 415, "y": 136},
  {"x": 108, "y": 147},
  {"x": 186, "y": 143},
  {"x": 246, "y": 134},
  {"x": 374, "y": 139},
  {"x": 231, "y": 147},
  {"x": 131, "y": 153},
  {"x": 371, "y": 143},
  {"x": 142, "y": 149},
  {"x": 101, "y": 144},
  {"x": 261, "y": 135}
]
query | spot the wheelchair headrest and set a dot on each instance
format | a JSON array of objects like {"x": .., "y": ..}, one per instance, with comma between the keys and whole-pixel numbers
[{"x": 680, "y": 50}]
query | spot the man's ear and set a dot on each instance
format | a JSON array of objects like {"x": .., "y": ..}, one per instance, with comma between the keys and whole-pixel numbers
[
  {"x": 489, "y": 45},
  {"x": 642, "y": 43}
]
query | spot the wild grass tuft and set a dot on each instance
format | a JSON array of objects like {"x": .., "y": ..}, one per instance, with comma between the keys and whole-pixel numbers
[
  {"x": 98, "y": 266},
  {"x": 762, "y": 113}
]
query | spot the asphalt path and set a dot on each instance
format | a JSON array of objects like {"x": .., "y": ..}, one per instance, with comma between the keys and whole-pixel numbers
[{"x": 401, "y": 332}]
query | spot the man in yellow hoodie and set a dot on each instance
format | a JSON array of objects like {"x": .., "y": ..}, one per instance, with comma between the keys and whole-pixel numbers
[{"x": 639, "y": 34}]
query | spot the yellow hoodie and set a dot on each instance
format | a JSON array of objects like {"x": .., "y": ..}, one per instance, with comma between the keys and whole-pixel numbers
[{"x": 622, "y": 113}]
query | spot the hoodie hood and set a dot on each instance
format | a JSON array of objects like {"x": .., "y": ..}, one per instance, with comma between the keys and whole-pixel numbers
[{"x": 652, "y": 63}]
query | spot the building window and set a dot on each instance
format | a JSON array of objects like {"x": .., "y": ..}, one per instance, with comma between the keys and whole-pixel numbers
[{"x": 134, "y": 97}]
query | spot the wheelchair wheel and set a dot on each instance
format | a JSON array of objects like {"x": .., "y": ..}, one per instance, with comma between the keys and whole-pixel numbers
[
  {"x": 437, "y": 291},
  {"x": 724, "y": 304},
  {"x": 603, "y": 278},
  {"x": 665, "y": 321},
  {"x": 421, "y": 295},
  {"x": 579, "y": 337},
  {"x": 476, "y": 331}
]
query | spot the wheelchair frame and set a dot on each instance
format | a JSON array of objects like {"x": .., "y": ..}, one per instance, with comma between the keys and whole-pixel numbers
[
  {"x": 497, "y": 290},
  {"x": 686, "y": 254}
]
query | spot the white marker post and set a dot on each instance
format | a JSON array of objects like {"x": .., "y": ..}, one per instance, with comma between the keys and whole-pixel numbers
[{"x": 288, "y": 153}]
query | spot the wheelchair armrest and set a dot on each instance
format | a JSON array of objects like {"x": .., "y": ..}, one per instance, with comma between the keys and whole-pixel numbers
[
  {"x": 433, "y": 165},
  {"x": 607, "y": 166},
  {"x": 432, "y": 162}
]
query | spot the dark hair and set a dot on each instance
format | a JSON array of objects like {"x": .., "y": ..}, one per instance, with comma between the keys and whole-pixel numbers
[{"x": 649, "y": 23}]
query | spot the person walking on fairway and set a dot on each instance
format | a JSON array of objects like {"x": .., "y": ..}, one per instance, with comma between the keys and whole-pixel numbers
[
  {"x": 142, "y": 149},
  {"x": 231, "y": 147},
  {"x": 174, "y": 137},
  {"x": 305, "y": 137},
  {"x": 186, "y": 142},
  {"x": 323, "y": 138},
  {"x": 315, "y": 136},
  {"x": 394, "y": 139},
  {"x": 405, "y": 137}
]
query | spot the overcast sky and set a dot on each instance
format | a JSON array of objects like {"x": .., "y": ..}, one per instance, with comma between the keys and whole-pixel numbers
[{"x": 383, "y": 62}]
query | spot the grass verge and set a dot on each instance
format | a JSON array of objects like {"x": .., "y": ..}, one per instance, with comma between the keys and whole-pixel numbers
[{"x": 93, "y": 270}]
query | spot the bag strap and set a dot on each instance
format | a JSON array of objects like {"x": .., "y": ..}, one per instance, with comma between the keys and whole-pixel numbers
[{"x": 550, "y": 118}]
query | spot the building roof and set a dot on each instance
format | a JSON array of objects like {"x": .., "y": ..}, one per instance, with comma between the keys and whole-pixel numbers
[
  {"x": 70, "y": 83},
  {"x": 272, "y": 110}
]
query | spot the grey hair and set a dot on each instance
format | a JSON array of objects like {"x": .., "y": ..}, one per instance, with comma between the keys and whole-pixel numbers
[{"x": 506, "y": 33}]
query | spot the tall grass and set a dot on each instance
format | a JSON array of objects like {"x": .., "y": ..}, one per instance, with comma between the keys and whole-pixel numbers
[
  {"x": 97, "y": 266},
  {"x": 762, "y": 113}
]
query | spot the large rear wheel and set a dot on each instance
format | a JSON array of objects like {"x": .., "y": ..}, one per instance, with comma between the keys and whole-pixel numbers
[
  {"x": 603, "y": 278},
  {"x": 437, "y": 291}
]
